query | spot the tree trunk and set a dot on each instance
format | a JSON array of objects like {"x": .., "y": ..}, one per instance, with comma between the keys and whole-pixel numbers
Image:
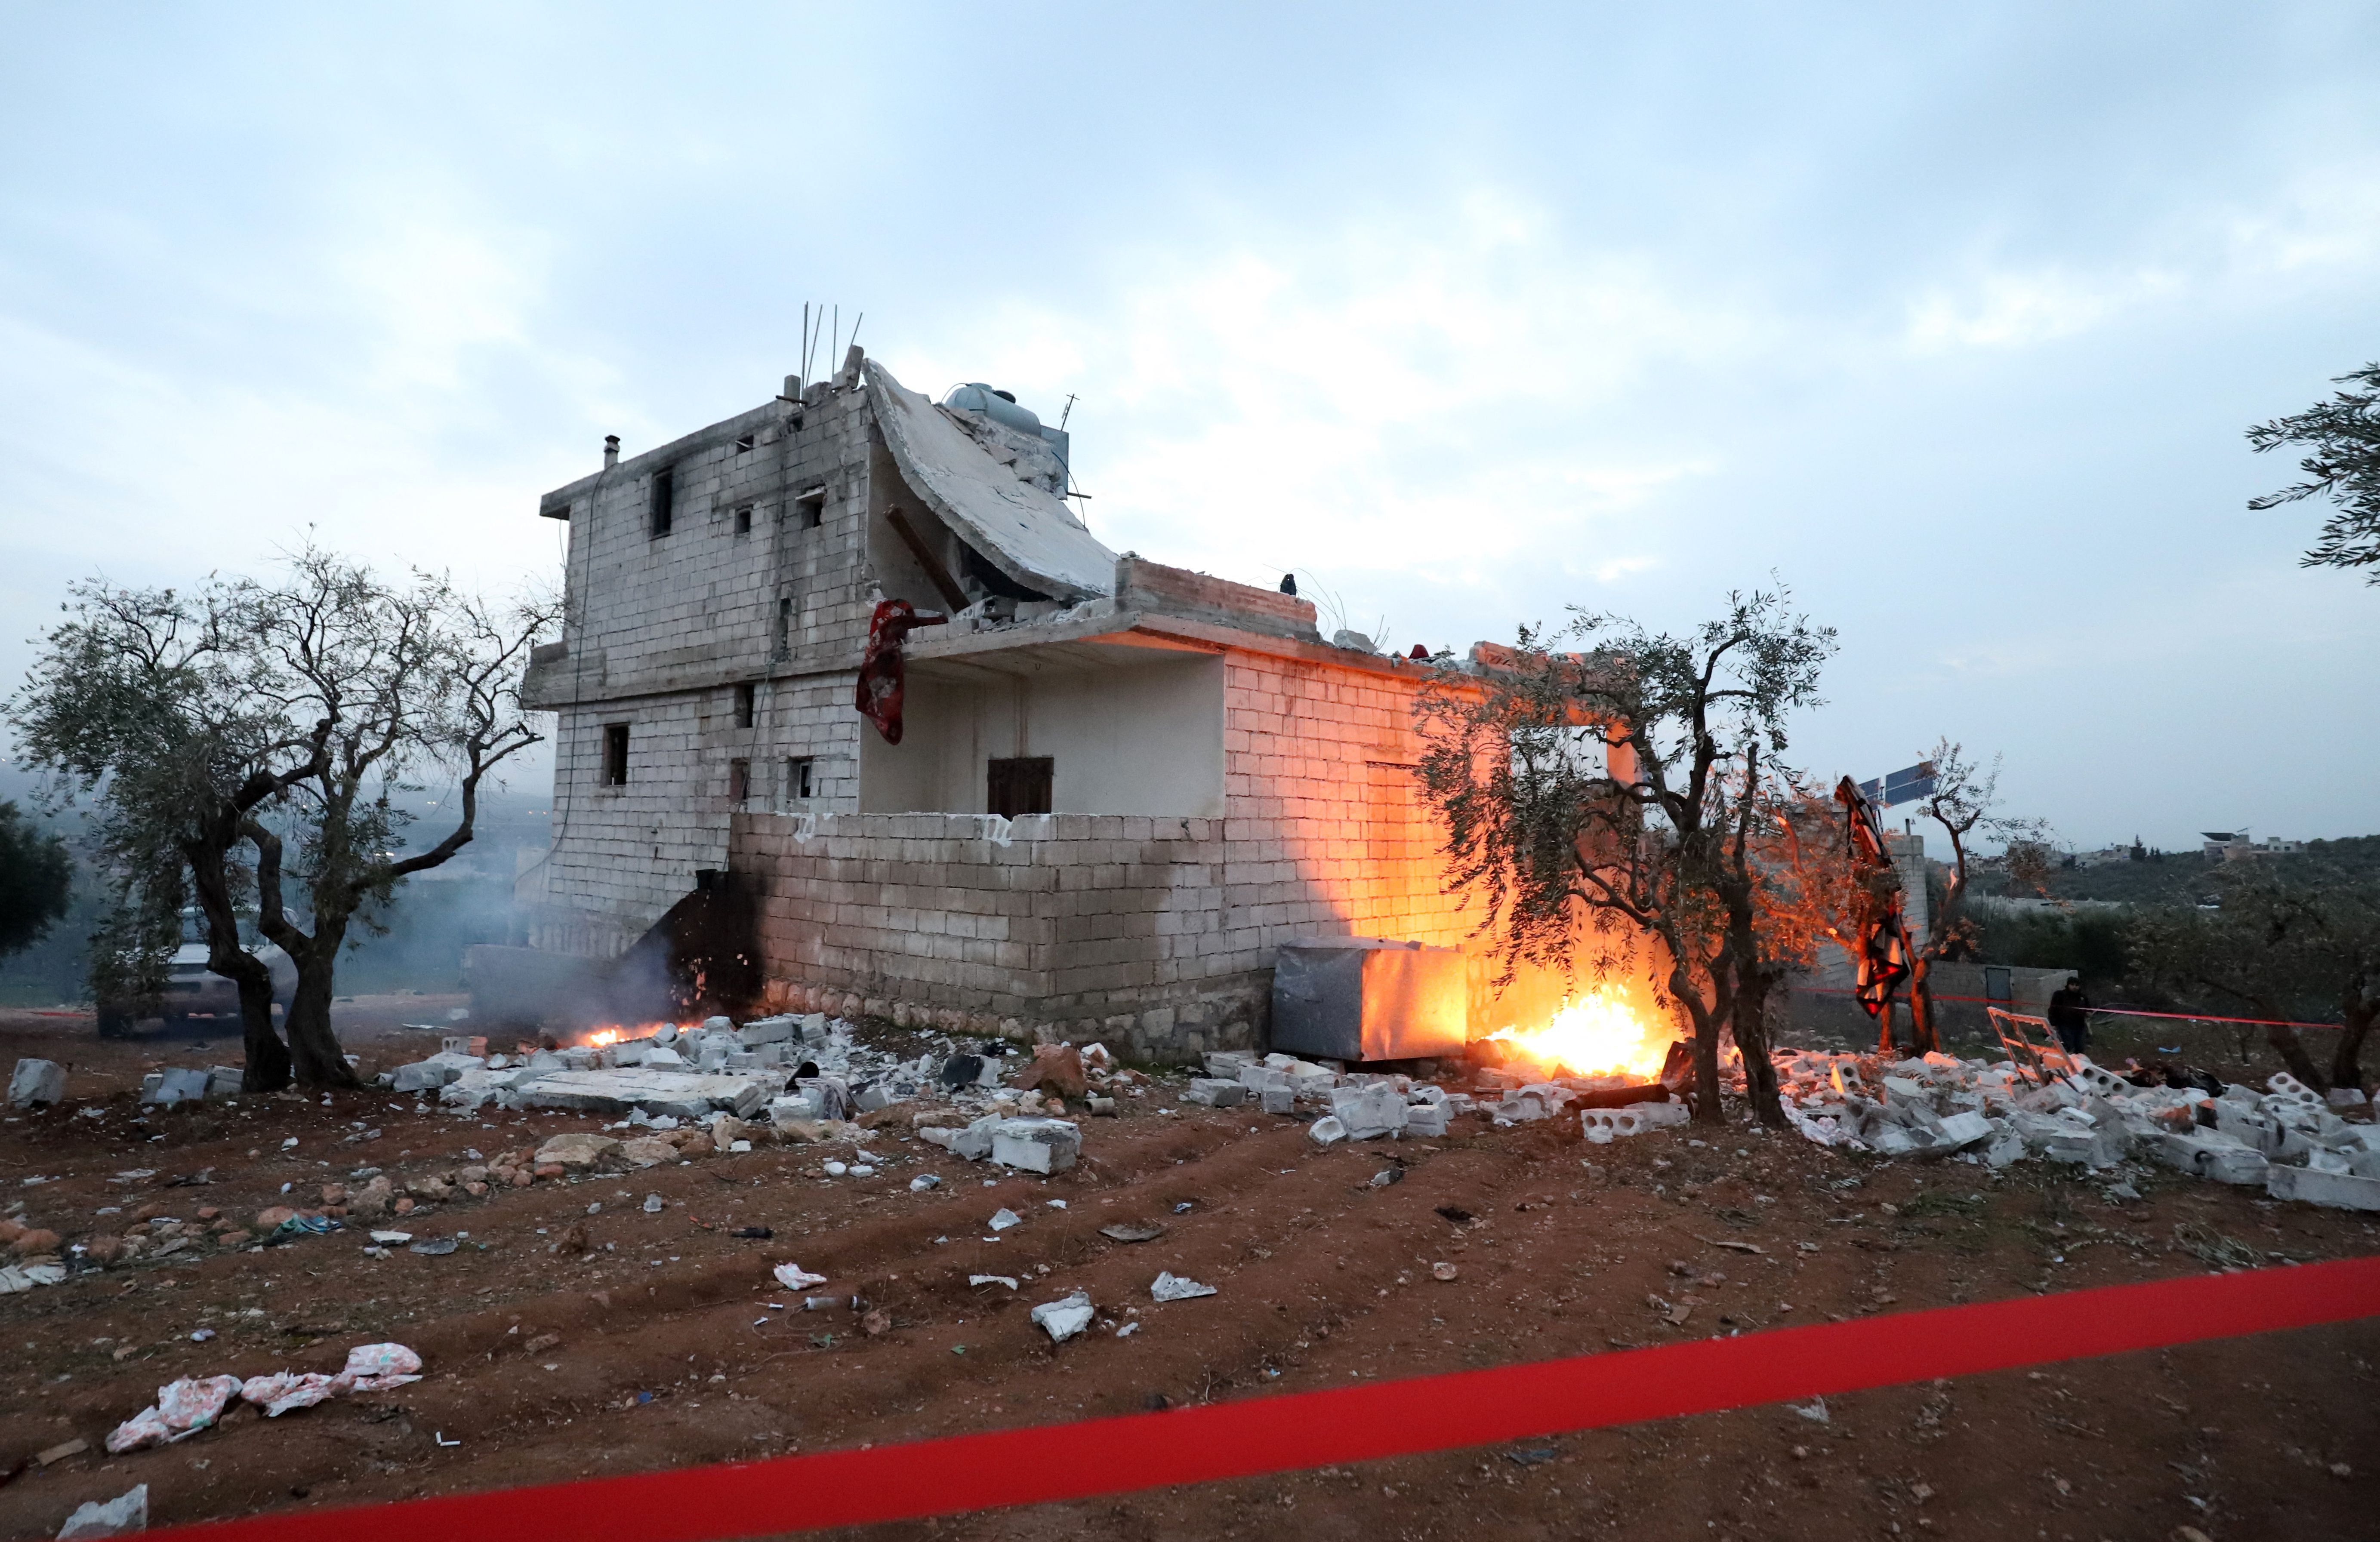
[
  {"x": 2358, "y": 1013},
  {"x": 1706, "y": 1026},
  {"x": 1925, "y": 1031},
  {"x": 312, "y": 1046},
  {"x": 1750, "y": 1024},
  {"x": 265, "y": 1064}
]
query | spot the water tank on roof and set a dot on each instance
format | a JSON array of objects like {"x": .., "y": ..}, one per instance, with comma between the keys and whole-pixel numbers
[{"x": 998, "y": 405}]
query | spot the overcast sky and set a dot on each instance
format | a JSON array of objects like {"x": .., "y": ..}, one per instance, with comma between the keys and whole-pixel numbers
[{"x": 1465, "y": 313}]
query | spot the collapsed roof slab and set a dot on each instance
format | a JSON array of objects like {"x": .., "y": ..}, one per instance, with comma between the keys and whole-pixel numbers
[{"x": 1023, "y": 529}]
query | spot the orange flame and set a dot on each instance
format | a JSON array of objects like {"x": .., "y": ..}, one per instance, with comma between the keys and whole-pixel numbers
[
  {"x": 1599, "y": 1036},
  {"x": 601, "y": 1036}
]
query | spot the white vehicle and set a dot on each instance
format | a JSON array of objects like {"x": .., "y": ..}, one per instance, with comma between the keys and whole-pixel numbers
[{"x": 191, "y": 990}]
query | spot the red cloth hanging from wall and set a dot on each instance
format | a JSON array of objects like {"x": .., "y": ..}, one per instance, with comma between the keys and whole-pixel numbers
[
  {"x": 1883, "y": 957},
  {"x": 880, "y": 675}
]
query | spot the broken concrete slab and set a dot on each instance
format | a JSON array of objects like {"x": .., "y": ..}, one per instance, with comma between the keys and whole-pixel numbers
[
  {"x": 1174, "y": 1287},
  {"x": 37, "y": 1081},
  {"x": 174, "y": 1086},
  {"x": 2343, "y": 1191},
  {"x": 1065, "y": 1317},
  {"x": 656, "y": 1092},
  {"x": 1215, "y": 1092}
]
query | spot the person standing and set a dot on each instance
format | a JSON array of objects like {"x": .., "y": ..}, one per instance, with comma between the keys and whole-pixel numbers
[{"x": 2069, "y": 1016}]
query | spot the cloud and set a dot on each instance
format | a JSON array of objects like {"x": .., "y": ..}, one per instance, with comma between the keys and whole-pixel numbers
[{"x": 1429, "y": 396}]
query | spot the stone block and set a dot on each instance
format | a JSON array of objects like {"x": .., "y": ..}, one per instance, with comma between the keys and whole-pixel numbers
[
  {"x": 176, "y": 1085},
  {"x": 1036, "y": 1145},
  {"x": 1369, "y": 1113},
  {"x": 1215, "y": 1092},
  {"x": 765, "y": 1030},
  {"x": 2209, "y": 1154},
  {"x": 1325, "y": 1131},
  {"x": 2343, "y": 1191},
  {"x": 1425, "y": 1120},
  {"x": 1961, "y": 1130},
  {"x": 1278, "y": 1099},
  {"x": 973, "y": 1143},
  {"x": 37, "y": 1081},
  {"x": 577, "y": 1150},
  {"x": 222, "y": 1081}
]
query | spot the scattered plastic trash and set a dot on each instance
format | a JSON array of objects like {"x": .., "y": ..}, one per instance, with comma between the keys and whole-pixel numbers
[
  {"x": 923, "y": 1182},
  {"x": 127, "y": 1512},
  {"x": 440, "y": 1435},
  {"x": 1176, "y": 1287},
  {"x": 653, "y": 1203},
  {"x": 793, "y": 1278},
  {"x": 392, "y": 1239},
  {"x": 1814, "y": 1411},
  {"x": 1442, "y": 1271},
  {"x": 183, "y": 1408},
  {"x": 1055, "y": 1204},
  {"x": 1183, "y": 1208}
]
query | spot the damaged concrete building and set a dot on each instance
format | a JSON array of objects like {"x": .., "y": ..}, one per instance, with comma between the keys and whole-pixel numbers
[{"x": 1118, "y": 787}]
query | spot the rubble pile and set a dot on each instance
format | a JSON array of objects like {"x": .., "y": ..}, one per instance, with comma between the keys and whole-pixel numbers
[{"x": 2286, "y": 1140}]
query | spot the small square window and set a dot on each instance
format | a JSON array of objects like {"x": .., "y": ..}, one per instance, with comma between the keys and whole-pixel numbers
[
  {"x": 801, "y": 771},
  {"x": 744, "y": 445},
  {"x": 739, "y": 781},
  {"x": 1019, "y": 786},
  {"x": 747, "y": 696},
  {"x": 743, "y": 519},
  {"x": 615, "y": 755},
  {"x": 810, "y": 509}
]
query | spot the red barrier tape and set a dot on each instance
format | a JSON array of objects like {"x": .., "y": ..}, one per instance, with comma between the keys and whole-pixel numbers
[{"x": 1355, "y": 1424}]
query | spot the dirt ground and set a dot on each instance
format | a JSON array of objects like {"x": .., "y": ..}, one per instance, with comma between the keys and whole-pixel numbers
[{"x": 662, "y": 1343}]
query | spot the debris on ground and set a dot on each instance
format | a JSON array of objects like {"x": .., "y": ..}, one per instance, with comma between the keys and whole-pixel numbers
[
  {"x": 129, "y": 1512},
  {"x": 192, "y": 1403},
  {"x": 1176, "y": 1287},
  {"x": 792, "y": 1277},
  {"x": 1065, "y": 1317},
  {"x": 2285, "y": 1140}
]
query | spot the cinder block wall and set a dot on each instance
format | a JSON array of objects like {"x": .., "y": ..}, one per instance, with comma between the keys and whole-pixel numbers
[
  {"x": 663, "y": 629},
  {"x": 1155, "y": 934}
]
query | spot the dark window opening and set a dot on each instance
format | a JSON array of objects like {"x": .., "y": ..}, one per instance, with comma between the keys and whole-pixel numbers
[
  {"x": 809, "y": 510},
  {"x": 800, "y": 773},
  {"x": 615, "y": 755},
  {"x": 747, "y": 696},
  {"x": 782, "y": 647},
  {"x": 664, "y": 499},
  {"x": 990, "y": 579},
  {"x": 739, "y": 781},
  {"x": 1019, "y": 786},
  {"x": 743, "y": 519},
  {"x": 743, "y": 445}
]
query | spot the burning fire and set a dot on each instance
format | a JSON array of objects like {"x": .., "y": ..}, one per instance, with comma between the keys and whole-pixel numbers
[
  {"x": 1599, "y": 1036},
  {"x": 601, "y": 1036}
]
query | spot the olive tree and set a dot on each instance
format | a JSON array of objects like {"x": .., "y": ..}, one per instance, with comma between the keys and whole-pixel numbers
[
  {"x": 254, "y": 737},
  {"x": 36, "y": 877},
  {"x": 148, "y": 701},
  {"x": 1589, "y": 797},
  {"x": 1965, "y": 803},
  {"x": 2342, "y": 436}
]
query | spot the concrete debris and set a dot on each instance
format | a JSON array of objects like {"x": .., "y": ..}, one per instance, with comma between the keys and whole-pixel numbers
[
  {"x": 1005, "y": 1218},
  {"x": 1035, "y": 1144},
  {"x": 1325, "y": 1131},
  {"x": 1602, "y": 1127},
  {"x": 37, "y": 1081},
  {"x": 1176, "y": 1287},
  {"x": 2285, "y": 1139},
  {"x": 129, "y": 1512},
  {"x": 1064, "y": 1318},
  {"x": 991, "y": 1280},
  {"x": 178, "y": 1084},
  {"x": 15, "y": 1278}
]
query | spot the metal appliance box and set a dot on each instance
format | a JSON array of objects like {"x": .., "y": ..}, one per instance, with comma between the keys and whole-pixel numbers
[{"x": 1362, "y": 998}]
